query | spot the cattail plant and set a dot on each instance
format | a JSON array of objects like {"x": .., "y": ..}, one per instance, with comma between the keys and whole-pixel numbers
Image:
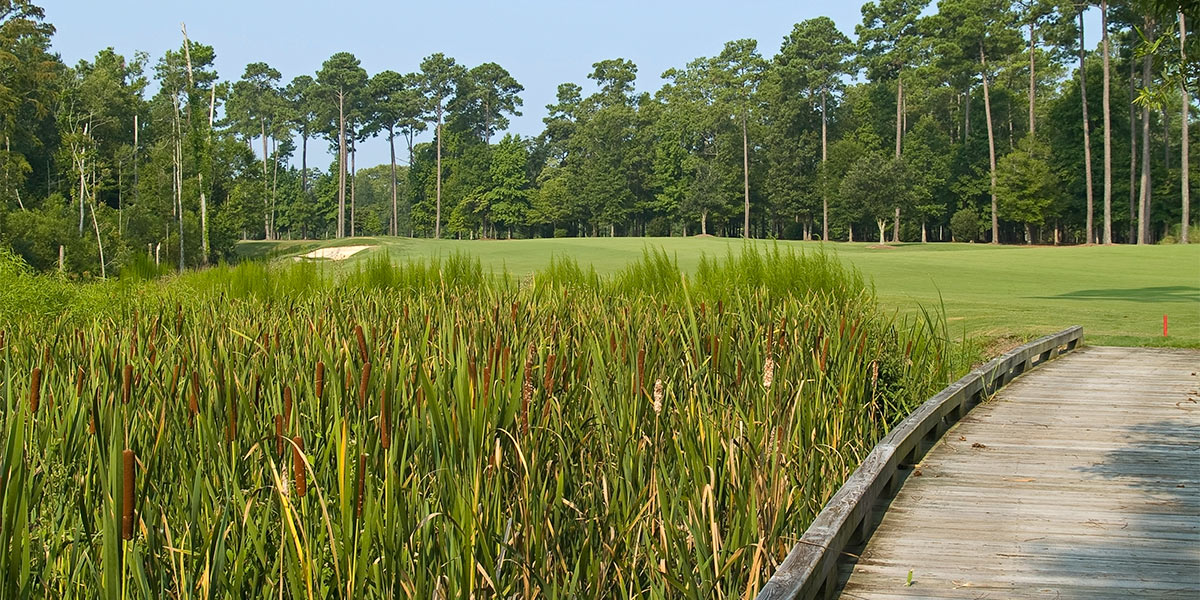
[
  {"x": 126, "y": 383},
  {"x": 279, "y": 435},
  {"x": 300, "y": 483},
  {"x": 320, "y": 383},
  {"x": 527, "y": 391},
  {"x": 362, "y": 342},
  {"x": 194, "y": 397},
  {"x": 287, "y": 407},
  {"x": 79, "y": 377},
  {"x": 127, "y": 465},
  {"x": 658, "y": 396},
  {"x": 35, "y": 389}
]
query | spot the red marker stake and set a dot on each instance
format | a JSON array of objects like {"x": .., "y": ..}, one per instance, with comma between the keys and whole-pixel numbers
[{"x": 1164, "y": 325}]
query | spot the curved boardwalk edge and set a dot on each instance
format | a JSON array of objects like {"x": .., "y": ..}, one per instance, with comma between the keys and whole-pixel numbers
[{"x": 810, "y": 569}]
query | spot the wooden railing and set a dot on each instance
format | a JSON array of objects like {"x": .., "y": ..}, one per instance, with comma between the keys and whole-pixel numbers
[{"x": 847, "y": 521}]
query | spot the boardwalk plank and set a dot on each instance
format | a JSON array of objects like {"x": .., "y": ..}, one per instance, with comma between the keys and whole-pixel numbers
[{"x": 1087, "y": 485}]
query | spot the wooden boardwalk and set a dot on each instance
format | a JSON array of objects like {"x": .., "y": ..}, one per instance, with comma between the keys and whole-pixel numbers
[{"x": 1080, "y": 479}]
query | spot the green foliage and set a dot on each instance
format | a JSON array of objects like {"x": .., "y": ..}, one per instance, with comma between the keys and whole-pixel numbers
[
  {"x": 966, "y": 225},
  {"x": 1025, "y": 185}
]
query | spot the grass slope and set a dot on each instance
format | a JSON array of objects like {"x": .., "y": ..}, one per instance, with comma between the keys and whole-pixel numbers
[{"x": 1118, "y": 293}]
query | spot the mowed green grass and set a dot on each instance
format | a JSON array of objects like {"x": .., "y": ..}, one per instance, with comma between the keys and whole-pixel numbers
[{"x": 1118, "y": 293}]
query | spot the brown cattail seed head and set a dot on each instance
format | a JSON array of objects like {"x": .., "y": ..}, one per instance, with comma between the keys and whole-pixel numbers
[
  {"x": 548, "y": 380},
  {"x": 128, "y": 464},
  {"x": 320, "y": 379},
  {"x": 279, "y": 434},
  {"x": 35, "y": 389},
  {"x": 362, "y": 342},
  {"x": 79, "y": 376},
  {"x": 287, "y": 407},
  {"x": 768, "y": 372},
  {"x": 126, "y": 383},
  {"x": 301, "y": 484}
]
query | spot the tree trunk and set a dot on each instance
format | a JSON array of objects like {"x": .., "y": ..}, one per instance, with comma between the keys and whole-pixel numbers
[
  {"x": 341, "y": 225},
  {"x": 437, "y": 222},
  {"x": 967, "y": 117},
  {"x": 1028, "y": 235},
  {"x": 824, "y": 157},
  {"x": 746, "y": 175},
  {"x": 882, "y": 223},
  {"x": 704, "y": 222},
  {"x": 1087, "y": 139},
  {"x": 1032, "y": 78},
  {"x": 353, "y": 181},
  {"x": 1133, "y": 202},
  {"x": 392, "y": 147},
  {"x": 1143, "y": 236},
  {"x": 212, "y": 106},
  {"x": 851, "y": 229},
  {"x": 266, "y": 201},
  {"x": 896, "y": 227},
  {"x": 899, "y": 113},
  {"x": 304, "y": 161},
  {"x": 1107, "y": 128},
  {"x": 1185, "y": 191},
  {"x": 274, "y": 183},
  {"x": 987, "y": 113},
  {"x": 924, "y": 236}
]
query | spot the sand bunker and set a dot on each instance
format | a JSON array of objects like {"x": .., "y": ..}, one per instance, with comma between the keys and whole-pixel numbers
[{"x": 338, "y": 253}]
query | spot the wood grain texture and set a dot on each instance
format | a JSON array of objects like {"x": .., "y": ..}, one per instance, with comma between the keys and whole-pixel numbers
[{"x": 1080, "y": 479}]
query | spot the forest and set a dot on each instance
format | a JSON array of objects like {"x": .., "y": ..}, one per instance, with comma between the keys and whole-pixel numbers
[{"x": 975, "y": 120}]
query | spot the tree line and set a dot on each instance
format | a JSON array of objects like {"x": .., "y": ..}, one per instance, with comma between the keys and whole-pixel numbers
[{"x": 985, "y": 120}]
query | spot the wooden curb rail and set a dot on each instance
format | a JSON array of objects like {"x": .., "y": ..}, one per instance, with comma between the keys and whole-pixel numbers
[{"x": 810, "y": 570}]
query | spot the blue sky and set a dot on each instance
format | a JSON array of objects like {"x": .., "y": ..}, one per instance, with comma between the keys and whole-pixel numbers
[{"x": 541, "y": 43}]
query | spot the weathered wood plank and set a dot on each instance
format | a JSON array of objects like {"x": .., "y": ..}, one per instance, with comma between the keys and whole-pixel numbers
[{"x": 1086, "y": 486}]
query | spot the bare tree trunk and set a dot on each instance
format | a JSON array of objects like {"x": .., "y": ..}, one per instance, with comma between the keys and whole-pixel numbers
[
  {"x": 1107, "y": 128},
  {"x": 99, "y": 243},
  {"x": 341, "y": 164},
  {"x": 274, "y": 183},
  {"x": 987, "y": 109},
  {"x": 353, "y": 187},
  {"x": 1087, "y": 139},
  {"x": 437, "y": 223},
  {"x": 212, "y": 104},
  {"x": 899, "y": 113},
  {"x": 1185, "y": 190},
  {"x": 882, "y": 223},
  {"x": 824, "y": 157},
  {"x": 899, "y": 137},
  {"x": 1133, "y": 202},
  {"x": 746, "y": 175},
  {"x": 1143, "y": 236},
  {"x": 135, "y": 159},
  {"x": 704, "y": 222},
  {"x": 392, "y": 147},
  {"x": 851, "y": 236},
  {"x": 1032, "y": 78}
]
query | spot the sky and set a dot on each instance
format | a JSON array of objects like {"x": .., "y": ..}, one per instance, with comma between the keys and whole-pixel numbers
[{"x": 541, "y": 43}]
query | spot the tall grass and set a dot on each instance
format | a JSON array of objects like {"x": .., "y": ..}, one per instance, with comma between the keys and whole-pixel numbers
[{"x": 647, "y": 435}]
